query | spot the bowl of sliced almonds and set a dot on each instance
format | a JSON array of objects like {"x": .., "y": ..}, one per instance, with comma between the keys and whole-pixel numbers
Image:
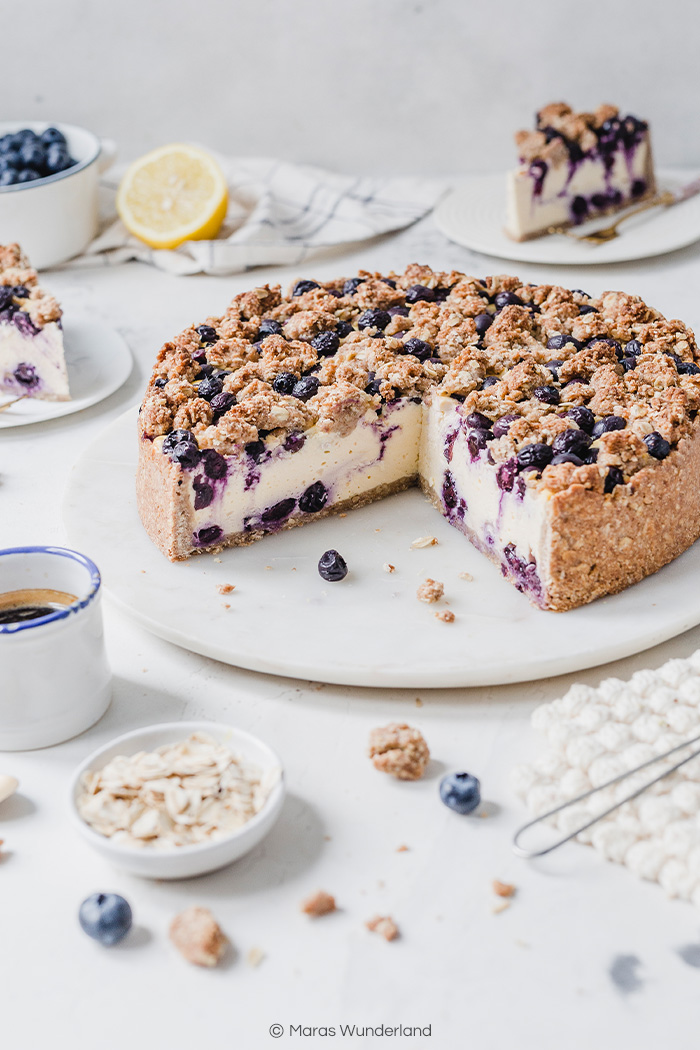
[{"x": 176, "y": 800}]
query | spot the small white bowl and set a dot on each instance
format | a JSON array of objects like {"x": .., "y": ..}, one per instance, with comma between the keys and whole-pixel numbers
[{"x": 183, "y": 862}]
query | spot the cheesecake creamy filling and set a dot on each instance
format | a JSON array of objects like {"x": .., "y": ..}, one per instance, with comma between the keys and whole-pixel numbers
[
  {"x": 502, "y": 518},
  {"x": 538, "y": 197},
  {"x": 33, "y": 365}
]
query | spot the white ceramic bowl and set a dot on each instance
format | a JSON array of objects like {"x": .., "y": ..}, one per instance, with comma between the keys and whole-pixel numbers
[
  {"x": 56, "y": 217},
  {"x": 183, "y": 862}
]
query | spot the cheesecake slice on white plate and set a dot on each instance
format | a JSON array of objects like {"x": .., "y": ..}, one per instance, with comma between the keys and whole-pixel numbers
[
  {"x": 32, "y": 360},
  {"x": 577, "y": 166}
]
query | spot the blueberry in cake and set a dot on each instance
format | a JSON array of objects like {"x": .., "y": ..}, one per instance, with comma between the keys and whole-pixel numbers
[
  {"x": 576, "y": 166},
  {"x": 555, "y": 430},
  {"x": 32, "y": 363}
]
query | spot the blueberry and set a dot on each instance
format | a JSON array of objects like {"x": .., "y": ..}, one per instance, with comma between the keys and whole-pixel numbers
[
  {"x": 580, "y": 291},
  {"x": 418, "y": 293},
  {"x": 613, "y": 478},
  {"x": 587, "y": 310},
  {"x": 332, "y": 566},
  {"x": 24, "y": 322},
  {"x": 343, "y": 328},
  {"x": 304, "y": 286},
  {"x": 175, "y": 437},
  {"x": 213, "y": 533},
  {"x": 269, "y": 327},
  {"x": 8, "y": 177},
  {"x": 449, "y": 492},
  {"x": 314, "y": 498},
  {"x": 502, "y": 425},
  {"x": 390, "y": 281},
  {"x": 20, "y": 291},
  {"x": 687, "y": 368},
  {"x": 504, "y": 299},
  {"x": 658, "y": 446},
  {"x": 280, "y": 511},
  {"x": 558, "y": 342},
  {"x": 639, "y": 187},
  {"x": 6, "y": 293},
  {"x": 57, "y": 159},
  {"x": 256, "y": 450},
  {"x": 206, "y": 333},
  {"x": 203, "y": 493},
  {"x": 548, "y": 394},
  {"x": 222, "y": 402},
  {"x": 579, "y": 207},
  {"x": 582, "y": 417},
  {"x": 160, "y": 381},
  {"x": 106, "y": 917},
  {"x": 607, "y": 424},
  {"x": 567, "y": 457},
  {"x": 483, "y": 322},
  {"x": 535, "y": 456},
  {"x": 214, "y": 464},
  {"x": 574, "y": 441},
  {"x": 478, "y": 419},
  {"x": 489, "y": 381},
  {"x": 284, "y": 383},
  {"x": 33, "y": 155},
  {"x": 629, "y": 363},
  {"x": 306, "y": 388},
  {"x": 186, "y": 454},
  {"x": 27, "y": 175},
  {"x": 26, "y": 374},
  {"x": 53, "y": 135},
  {"x": 633, "y": 348},
  {"x": 5, "y": 144},
  {"x": 398, "y": 311},
  {"x": 374, "y": 387},
  {"x": 608, "y": 342},
  {"x": 294, "y": 441},
  {"x": 419, "y": 348},
  {"x": 374, "y": 319},
  {"x": 352, "y": 284},
  {"x": 210, "y": 387},
  {"x": 554, "y": 367},
  {"x": 460, "y": 792},
  {"x": 477, "y": 440},
  {"x": 326, "y": 343}
]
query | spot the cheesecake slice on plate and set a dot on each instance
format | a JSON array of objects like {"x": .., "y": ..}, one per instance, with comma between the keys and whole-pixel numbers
[
  {"x": 32, "y": 361},
  {"x": 557, "y": 431},
  {"x": 577, "y": 166}
]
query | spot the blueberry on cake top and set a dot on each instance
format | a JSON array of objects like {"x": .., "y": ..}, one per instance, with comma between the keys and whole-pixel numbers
[
  {"x": 576, "y": 166},
  {"x": 557, "y": 431},
  {"x": 32, "y": 362}
]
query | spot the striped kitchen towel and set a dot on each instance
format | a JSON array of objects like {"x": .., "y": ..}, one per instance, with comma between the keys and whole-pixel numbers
[{"x": 279, "y": 214}]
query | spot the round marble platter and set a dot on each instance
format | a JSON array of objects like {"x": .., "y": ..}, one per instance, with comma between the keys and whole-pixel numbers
[
  {"x": 369, "y": 629},
  {"x": 473, "y": 215},
  {"x": 98, "y": 361}
]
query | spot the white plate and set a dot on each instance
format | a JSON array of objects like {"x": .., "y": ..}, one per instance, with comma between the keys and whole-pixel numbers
[
  {"x": 473, "y": 215},
  {"x": 368, "y": 629},
  {"x": 98, "y": 362}
]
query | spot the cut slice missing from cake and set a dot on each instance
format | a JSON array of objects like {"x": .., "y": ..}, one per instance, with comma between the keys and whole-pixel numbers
[
  {"x": 557, "y": 431},
  {"x": 576, "y": 166},
  {"x": 32, "y": 361}
]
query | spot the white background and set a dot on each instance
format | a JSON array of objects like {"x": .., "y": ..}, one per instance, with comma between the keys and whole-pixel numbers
[{"x": 428, "y": 86}]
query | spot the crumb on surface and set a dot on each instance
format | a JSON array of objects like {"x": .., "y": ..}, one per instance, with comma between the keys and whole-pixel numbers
[
  {"x": 255, "y": 956},
  {"x": 446, "y": 616},
  {"x": 430, "y": 591},
  {"x": 402, "y": 849},
  {"x": 388, "y": 567},
  {"x": 503, "y": 889},
  {"x": 399, "y": 750},
  {"x": 319, "y": 903},
  {"x": 466, "y": 576},
  {"x": 423, "y": 541},
  {"x": 500, "y": 906},
  {"x": 419, "y": 702},
  {"x": 226, "y": 588},
  {"x": 198, "y": 937},
  {"x": 383, "y": 925},
  {"x": 226, "y": 605}
]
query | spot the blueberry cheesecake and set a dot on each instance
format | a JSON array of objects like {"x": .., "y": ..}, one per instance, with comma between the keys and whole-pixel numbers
[
  {"x": 32, "y": 362},
  {"x": 576, "y": 166},
  {"x": 553, "y": 429}
]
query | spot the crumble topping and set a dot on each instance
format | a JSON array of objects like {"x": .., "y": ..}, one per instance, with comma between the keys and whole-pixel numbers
[
  {"x": 430, "y": 591},
  {"x": 445, "y": 616},
  {"x": 198, "y": 937},
  {"x": 400, "y": 750},
  {"x": 503, "y": 889},
  {"x": 384, "y": 925},
  {"x": 525, "y": 358},
  {"x": 21, "y": 298},
  {"x": 319, "y": 903},
  {"x": 562, "y": 135}
]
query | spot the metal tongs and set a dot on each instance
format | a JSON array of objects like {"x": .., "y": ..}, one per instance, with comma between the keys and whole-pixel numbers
[{"x": 522, "y": 851}]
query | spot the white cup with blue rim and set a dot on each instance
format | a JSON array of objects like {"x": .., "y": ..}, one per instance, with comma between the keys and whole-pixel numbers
[{"x": 54, "y": 678}]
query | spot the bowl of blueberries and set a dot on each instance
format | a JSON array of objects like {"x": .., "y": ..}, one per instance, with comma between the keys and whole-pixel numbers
[{"x": 48, "y": 188}]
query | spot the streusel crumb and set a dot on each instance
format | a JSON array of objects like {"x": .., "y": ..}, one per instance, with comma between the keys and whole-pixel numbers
[
  {"x": 226, "y": 588},
  {"x": 503, "y": 889},
  {"x": 430, "y": 591},
  {"x": 400, "y": 750},
  {"x": 383, "y": 925},
  {"x": 319, "y": 903},
  {"x": 445, "y": 615},
  {"x": 198, "y": 937}
]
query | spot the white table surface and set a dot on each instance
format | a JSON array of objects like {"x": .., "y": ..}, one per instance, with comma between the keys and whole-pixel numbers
[{"x": 536, "y": 976}]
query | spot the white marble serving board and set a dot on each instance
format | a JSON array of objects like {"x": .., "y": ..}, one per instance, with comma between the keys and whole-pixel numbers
[{"x": 369, "y": 629}]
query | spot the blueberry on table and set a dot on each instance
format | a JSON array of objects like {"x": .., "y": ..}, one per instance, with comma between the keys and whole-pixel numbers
[
  {"x": 106, "y": 917},
  {"x": 332, "y": 566},
  {"x": 460, "y": 792}
]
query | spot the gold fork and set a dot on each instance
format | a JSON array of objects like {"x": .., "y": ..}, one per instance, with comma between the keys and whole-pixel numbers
[
  {"x": 13, "y": 402},
  {"x": 609, "y": 233}
]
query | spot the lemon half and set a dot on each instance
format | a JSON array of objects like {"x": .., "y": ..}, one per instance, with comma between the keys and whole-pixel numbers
[{"x": 173, "y": 194}]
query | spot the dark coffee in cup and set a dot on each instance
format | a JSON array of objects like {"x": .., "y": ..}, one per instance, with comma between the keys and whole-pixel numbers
[{"x": 31, "y": 604}]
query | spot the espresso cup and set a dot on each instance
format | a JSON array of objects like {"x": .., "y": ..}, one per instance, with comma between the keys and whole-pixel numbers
[{"x": 54, "y": 676}]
